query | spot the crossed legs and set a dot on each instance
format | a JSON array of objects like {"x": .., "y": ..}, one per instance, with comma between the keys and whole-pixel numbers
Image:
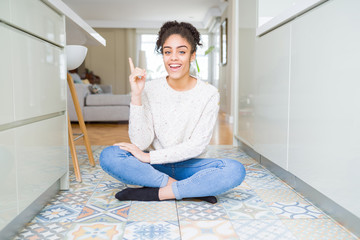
[{"x": 197, "y": 177}]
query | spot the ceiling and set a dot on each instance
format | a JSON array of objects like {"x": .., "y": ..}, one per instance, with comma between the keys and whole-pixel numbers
[{"x": 146, "y": 13}]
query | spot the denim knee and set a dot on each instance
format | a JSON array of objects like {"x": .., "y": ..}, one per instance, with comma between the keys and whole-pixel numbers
[
  {"x": 236, "y": 170},
  {"x": 109, "y": 154},
  {"x": 106, "y": 155}
]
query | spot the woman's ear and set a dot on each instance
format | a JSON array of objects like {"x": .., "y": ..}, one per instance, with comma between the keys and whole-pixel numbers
[{"x": 193, "y": 56}]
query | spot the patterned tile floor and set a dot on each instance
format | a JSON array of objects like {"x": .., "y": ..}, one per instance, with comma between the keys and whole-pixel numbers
[{"x": 261, "y": 208}]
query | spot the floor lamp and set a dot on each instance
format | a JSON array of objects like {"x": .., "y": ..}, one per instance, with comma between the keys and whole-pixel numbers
[{"x": 75, "y": 55}]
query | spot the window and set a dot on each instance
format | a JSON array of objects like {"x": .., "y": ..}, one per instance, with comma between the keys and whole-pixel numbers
[{"x": 154, "y": 62}]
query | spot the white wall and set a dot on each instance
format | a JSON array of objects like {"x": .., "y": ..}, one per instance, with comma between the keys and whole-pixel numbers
[
  {"x": 111, "y": 63},
  {"x": 225, "y": 83}
]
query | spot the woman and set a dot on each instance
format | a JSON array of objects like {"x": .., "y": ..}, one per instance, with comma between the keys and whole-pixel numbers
[{"x": 173, "y": 117}]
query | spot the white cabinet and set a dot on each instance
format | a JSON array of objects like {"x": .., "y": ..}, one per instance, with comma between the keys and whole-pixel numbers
[
  {"x": 6, "y": 89},
  {"x": 37, "y": 18},
  {"x": 271, "y": 95},
  {"x": 41, "y": 151},
  {"x": 39, "y": 74},
  {"x": 5, "y": 10},
  {"x": 33, "y": 125},
  {"x": 324, "y": 135},
  {"x": 8, "y": 196}
]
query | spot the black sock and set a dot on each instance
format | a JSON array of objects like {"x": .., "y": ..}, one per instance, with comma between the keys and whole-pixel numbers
[
  {"x": 209, "y": 199},
  {"x": 151, "y": 194},
  {"x": 139, "y": 194}
]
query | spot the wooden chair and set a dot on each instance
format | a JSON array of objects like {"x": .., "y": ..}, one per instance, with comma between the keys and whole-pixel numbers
[{"x": 83, "y": 130}]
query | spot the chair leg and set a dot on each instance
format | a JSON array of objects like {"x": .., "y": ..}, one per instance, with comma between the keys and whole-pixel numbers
[
  {"x": 73, "y": 153},
  {"x": 80, "y": 119}
]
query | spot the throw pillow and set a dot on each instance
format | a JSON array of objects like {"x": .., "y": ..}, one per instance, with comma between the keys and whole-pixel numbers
[
  {"x": 85, "y": 81},
  {"x": 95, "y": 89},
  {"x": 76, "y": 78}
]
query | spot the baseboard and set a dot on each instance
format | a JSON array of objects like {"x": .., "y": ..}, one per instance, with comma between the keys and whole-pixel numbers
[
  {"x": 334, "y": 210},
  {"x": 10, "y": 230}
]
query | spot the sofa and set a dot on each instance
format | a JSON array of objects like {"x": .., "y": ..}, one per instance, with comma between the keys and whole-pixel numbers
[{"x": 100, "y": 107}]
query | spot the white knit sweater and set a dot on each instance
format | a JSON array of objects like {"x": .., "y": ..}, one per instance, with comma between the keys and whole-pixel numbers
[{"x": 174, "y": 125}]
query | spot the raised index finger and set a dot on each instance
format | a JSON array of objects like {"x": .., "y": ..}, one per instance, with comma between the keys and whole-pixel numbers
[{"x": 131, "y": 65}]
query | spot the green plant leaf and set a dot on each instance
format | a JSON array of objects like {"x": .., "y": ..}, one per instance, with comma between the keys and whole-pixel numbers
[
  {"x": 209, "y": 50},
  {"x": 197, "y": 66}
]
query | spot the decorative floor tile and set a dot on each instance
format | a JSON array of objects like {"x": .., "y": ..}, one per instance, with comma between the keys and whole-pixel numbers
[
  {"x": 51, "y": 231},
  {"x": 96, "y": 231},
  {"x": 71, "y": 198},
  {"x": 295, "y": 210},
  {"x": 317, "y": 229},
  {"x": 200, "y": 211},
  {"x": 262, "y": 208},
  {"x": 262, "y": 230},
  {"x": 279, "y": 195},
  {"x": 95, "y": 175},
  {"x": 82, "y": 186},
  {"x": 240, "y": 195},
  {"x": 58, "y": 213},
  {"x": 243, "y": 186},
  {"x": 107, "y": 177},
  {"x": 106, "y": 200},
  {"x": 207, "y": 230},
  {"x": 152, "y": 231},
  {"x": 251, "y": 209},
  {"x": 266, "y": 183},
  {"x": 258, "y": 174},
  {"x": 153, "y": 211},
  {"x": 92, "y": 213},
  {"x": 105, "y": 185}
]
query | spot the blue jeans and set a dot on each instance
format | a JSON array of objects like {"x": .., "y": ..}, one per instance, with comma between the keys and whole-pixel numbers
[{"x": 196, "y": 177}]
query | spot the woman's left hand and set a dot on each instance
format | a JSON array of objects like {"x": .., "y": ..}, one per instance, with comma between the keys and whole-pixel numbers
[{"x": 134, "y": 150}]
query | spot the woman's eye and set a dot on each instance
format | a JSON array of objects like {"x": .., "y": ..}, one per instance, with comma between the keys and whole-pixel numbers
[
  {"x": 167, "y": 52},
  {"x": 182, "y": 52}
]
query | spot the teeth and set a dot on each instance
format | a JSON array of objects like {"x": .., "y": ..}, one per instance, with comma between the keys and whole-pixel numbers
[{"x": 175, "y": 65}]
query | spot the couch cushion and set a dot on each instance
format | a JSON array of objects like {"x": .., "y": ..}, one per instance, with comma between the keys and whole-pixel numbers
[
  {"x": 107, "y": 100},
  {"x": 106, "y": 113},
  {"x": 95, "y": 89}
]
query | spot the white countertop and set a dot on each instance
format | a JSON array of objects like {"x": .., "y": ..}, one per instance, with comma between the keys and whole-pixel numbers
[
  {"x": 77, "y": 30},
  {"x": 296, "y": 10}
]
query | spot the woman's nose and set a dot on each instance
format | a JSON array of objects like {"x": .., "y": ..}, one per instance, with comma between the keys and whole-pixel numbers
[{"x": 174, "y": 56}]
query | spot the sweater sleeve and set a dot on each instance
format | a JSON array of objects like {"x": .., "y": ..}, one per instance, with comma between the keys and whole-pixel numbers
[
  {"x": 141, "y": 130},
  {"x": 198, "y": 141}
]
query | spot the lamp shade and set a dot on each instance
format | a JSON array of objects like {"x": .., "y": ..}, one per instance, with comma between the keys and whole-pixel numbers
[{"x": 75, "y": 55}]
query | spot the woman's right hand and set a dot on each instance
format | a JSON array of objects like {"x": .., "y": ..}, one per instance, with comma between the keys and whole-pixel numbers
[{"x": 137, "y": 80}]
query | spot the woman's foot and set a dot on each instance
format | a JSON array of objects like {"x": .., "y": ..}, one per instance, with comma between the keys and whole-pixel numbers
[
  {"x": 150, "y": 194},
  {"x": 138, "y": 194}
]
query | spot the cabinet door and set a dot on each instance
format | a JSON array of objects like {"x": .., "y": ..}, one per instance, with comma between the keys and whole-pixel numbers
[
  {"x": 8, "y": 196},
  {"x": 5, "y": 10},
  {"x": 36, "y": 17},
  {"x": 6, "y": 89},
  {"x": 324, "y": 135},
  {"x": 41, "y": 150},
  {"x": 272, "y": 95},
  {"x": 39, "y": 77}
]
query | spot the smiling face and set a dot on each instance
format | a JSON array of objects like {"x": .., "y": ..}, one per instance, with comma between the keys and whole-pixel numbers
[{"x": 177, "y": 57}]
